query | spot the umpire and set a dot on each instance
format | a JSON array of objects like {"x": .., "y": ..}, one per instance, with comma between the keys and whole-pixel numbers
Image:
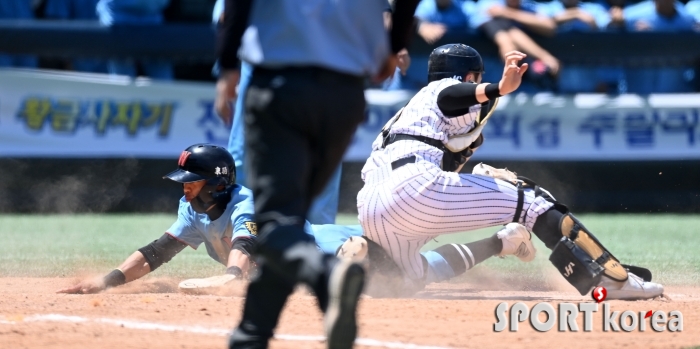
[{"x": 305, "y": 99}]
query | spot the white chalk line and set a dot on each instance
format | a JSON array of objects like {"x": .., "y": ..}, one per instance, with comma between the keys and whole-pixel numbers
[{"x": 141, "y": 325}]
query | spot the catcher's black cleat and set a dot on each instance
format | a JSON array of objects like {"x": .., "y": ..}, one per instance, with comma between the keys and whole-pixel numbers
[{"x": 344, "y": 289}]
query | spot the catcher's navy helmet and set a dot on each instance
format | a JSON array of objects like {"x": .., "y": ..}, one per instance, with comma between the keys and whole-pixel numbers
[
  {"x": 205, "y": 162},
  {"x": 453, "y": 61}
]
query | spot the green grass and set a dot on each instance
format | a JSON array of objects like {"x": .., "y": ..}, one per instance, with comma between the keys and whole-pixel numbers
[{"x": 66, "y": 245}]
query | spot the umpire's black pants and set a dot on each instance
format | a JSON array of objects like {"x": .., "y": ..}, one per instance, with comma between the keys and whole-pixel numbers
[{"x": 299, "y": 122}]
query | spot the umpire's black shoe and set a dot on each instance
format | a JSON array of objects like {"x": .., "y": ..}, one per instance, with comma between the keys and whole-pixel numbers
[
  {"x": 241, "y": 340},
  {"x": 344, "y": 289}
]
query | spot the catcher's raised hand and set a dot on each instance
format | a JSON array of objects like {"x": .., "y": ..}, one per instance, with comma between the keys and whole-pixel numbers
[
  {"x": 85, "y": 287},
  {"x": 512, "y": 72}
]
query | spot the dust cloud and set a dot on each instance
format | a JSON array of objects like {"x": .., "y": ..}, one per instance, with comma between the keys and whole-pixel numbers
[{"x": 86, "y": 191}]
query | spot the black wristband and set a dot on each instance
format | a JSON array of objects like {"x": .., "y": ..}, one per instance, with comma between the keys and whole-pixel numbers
[
  {"x": 235, "y": 271},
  {"x": 492, "y": 91},
  {"x": 114, "y": 278}
]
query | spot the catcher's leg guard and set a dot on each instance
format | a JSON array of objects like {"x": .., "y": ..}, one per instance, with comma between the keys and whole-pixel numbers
[
  {"x": 571, "y": 243},
  {"x": 584, "y": 250},
  {"x": 576, "y": 265},
  {"x": 574, "y": 230}
]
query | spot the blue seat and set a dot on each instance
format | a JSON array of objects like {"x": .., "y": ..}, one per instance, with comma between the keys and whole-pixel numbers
[
  {"x": 659, "y": 80},
  {"x": 585, "y": 78}
]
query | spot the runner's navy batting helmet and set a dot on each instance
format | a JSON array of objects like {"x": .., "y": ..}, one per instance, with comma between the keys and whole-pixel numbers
[
  {"x": 212, "y": 164},
  {"x": 205, "y": 162},
  {"x": 453, "y": 61}
]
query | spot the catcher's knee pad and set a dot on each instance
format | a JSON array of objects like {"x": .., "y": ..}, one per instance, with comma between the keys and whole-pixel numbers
[{"x": 520, "y": 182}]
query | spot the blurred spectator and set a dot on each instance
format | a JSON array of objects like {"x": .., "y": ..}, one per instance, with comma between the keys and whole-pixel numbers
[
  {"x": 437, "y": 17},
  {"x": 70, "y": 9},
  {"x": 404, "y": 61},
  {"x": 520, "y": 13},
  {"x": 693, "y": 9},
  {"x": 574, "y": 15},
  {"x": 395, "y": 82},
  {"x": 17, "y": 9},
  {"x": 658, "y": 15},
  {"x": 135, "y": 12},
  {"x": 509, "y": 23},
  {"x": 76, "y": 10},
  {"x": 577, "y": 16},
  {"x": 614, "y": 9},
  {"x": 218, "y": 12}
]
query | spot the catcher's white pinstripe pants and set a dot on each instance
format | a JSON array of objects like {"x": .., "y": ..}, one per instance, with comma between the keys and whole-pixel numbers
[{"x": 403, "y": 209}]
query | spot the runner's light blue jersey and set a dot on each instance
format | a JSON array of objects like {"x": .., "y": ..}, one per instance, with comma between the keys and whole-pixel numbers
[
  {"x": 236, "y": 222},
  {"x": 329, "y": 237}
]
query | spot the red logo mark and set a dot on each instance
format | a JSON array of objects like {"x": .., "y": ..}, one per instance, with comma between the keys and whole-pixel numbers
[
  {"x": 183, "y": 158},
  {"x": 648, "y": 314},
  {"x": 599, "y": 294}
]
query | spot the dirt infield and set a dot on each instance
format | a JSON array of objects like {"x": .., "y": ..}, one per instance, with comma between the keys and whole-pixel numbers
[{"x": 152, "y": 314}]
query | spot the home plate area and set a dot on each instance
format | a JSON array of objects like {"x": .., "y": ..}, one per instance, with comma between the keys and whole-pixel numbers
[{"x": 153, "y": 314}]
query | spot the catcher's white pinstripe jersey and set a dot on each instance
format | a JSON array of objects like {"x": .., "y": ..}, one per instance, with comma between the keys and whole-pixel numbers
[{"x": 401, "y": 209}]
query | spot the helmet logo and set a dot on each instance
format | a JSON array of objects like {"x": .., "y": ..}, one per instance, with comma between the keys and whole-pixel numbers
[
  {"x": 183, "y": 158},
  {"x": 220, "y": 171},
  {"x": 457, "y": 77}
]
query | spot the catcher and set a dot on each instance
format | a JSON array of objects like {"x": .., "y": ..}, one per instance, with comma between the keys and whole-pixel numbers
[{"x": 414, "y": 192}]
